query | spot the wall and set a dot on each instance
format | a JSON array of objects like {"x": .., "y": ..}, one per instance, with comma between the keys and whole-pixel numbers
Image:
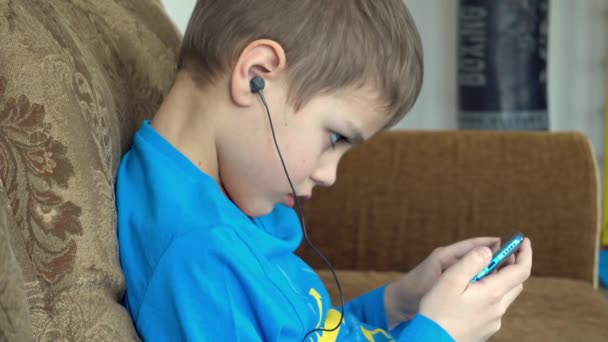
[{"x": 577, "y": 64}]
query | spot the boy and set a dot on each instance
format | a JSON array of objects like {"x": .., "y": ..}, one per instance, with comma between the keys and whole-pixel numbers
[{"x": 205, "y": 227}]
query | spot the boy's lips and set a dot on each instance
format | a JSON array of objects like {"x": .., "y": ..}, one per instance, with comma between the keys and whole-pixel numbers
[{"x": 290, "y": 201}]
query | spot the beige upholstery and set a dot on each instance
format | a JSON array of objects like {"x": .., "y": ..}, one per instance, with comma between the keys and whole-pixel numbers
[{"x": 76, "y": 79}]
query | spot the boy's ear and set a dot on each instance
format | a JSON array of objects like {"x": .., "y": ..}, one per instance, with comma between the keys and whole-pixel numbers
[{"x": 263, "y": 57}]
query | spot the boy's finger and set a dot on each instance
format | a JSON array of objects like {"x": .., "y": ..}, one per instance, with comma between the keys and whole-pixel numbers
[
  {"x": 452, "y": 253},
  {"x": 459, "y": 276},
  {"x": 510, "y": 296}
]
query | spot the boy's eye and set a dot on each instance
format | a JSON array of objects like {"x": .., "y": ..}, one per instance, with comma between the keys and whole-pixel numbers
[{"x": 335, "y": 138}]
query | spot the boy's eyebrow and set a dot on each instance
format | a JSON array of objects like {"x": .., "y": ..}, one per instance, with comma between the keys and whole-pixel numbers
[{"x": 356, "y": 137}]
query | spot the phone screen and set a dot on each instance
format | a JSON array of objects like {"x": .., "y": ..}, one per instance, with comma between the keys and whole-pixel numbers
[{"x": 507, "y": 248}]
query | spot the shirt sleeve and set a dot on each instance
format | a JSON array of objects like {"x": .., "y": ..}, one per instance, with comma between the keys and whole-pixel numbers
[
  {"x": 369, "y": 310},
  {"x": 421, "y": 328},
  {"x": 191, "y": 297}
]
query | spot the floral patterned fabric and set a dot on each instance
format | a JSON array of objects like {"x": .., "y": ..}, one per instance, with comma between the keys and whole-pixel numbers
[{"x": 76, "y": 80}]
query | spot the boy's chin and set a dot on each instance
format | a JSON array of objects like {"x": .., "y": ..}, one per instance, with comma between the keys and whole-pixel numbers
[{"x": 257, "y": 209}]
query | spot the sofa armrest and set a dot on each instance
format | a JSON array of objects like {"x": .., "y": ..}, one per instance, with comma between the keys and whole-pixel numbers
[{"x": 405, "y": 193}]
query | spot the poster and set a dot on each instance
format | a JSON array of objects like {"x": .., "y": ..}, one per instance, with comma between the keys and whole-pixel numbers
[{"x": 502, "y": 64}]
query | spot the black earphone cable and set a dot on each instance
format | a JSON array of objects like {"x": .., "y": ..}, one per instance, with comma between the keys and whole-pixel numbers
[{"x": 302, "y": 223}]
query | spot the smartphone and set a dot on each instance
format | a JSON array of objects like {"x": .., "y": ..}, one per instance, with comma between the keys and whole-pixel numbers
[{"x": 507, "y": 248}]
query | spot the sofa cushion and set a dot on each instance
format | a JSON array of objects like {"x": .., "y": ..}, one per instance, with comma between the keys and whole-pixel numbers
[
  {"x": 546, "y": 310},
  {"x": 76, "y": 80}
]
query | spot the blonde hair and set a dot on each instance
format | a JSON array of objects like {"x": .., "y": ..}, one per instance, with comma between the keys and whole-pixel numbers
[{"x": 329, "y": 44}]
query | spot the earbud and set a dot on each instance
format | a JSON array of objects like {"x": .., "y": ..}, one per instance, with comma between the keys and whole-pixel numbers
[{"x": 257, "y": 84}]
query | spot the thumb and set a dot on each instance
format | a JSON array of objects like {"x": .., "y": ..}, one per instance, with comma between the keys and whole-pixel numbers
[{"x": 459, "y": 276}]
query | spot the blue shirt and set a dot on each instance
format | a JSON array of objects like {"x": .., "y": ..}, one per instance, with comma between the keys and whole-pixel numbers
[{"x": 198, "y": 269}]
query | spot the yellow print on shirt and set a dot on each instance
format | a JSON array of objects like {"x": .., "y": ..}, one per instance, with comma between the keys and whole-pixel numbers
[{"x": 332, "y": 319}]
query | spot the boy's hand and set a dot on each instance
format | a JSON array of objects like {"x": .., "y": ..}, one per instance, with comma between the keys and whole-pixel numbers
[
  {"x": 473, "y": 312},
  {"x": 402, "y": 297}
]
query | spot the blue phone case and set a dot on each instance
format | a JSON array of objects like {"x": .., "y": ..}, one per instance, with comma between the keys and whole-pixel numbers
[{"x": 501, "y": 256}]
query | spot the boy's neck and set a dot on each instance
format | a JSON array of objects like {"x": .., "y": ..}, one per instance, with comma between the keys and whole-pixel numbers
[{"x": 188, "y": 119}]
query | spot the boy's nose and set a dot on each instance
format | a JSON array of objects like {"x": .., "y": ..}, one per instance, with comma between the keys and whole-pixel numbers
[{"x": 325, "y": 175}]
